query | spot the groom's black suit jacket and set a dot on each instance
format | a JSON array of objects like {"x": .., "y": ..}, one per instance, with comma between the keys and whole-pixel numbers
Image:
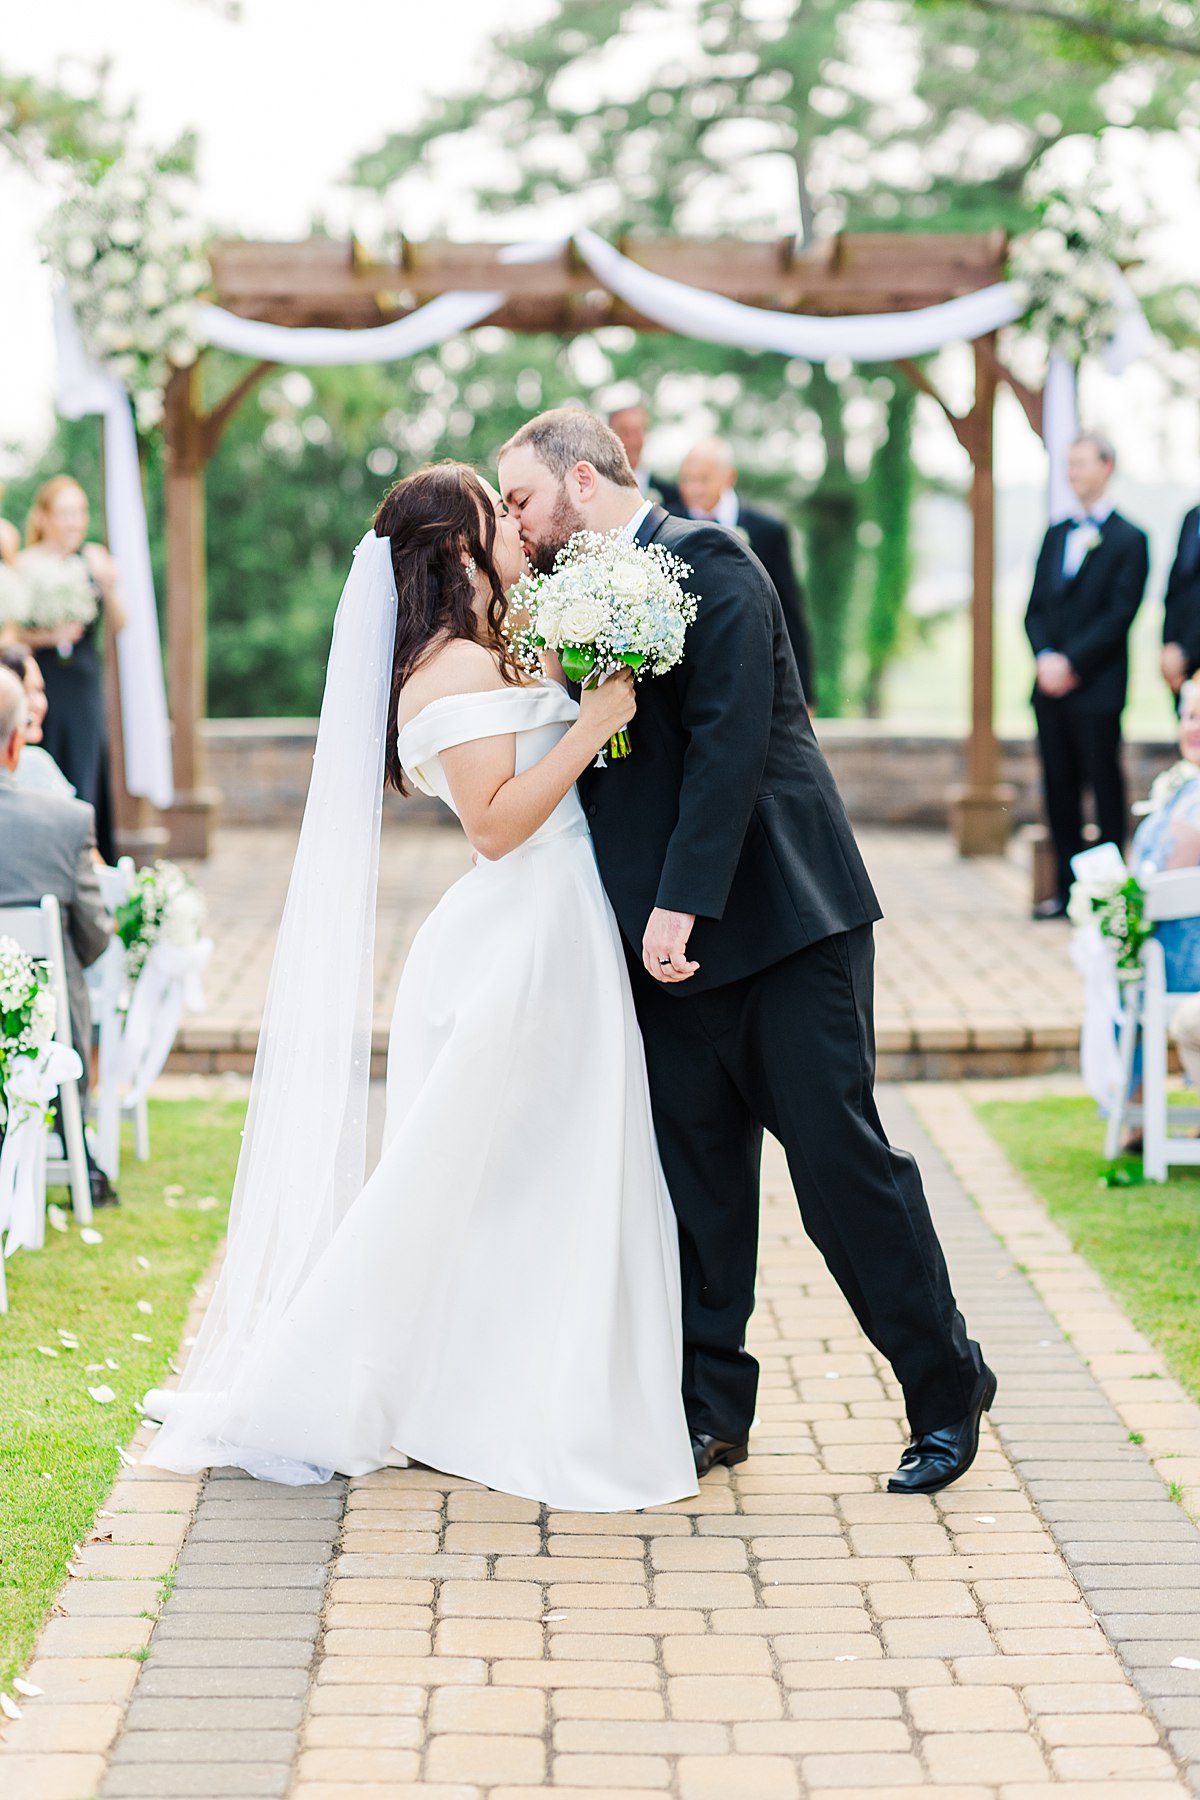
[{"x": 726, "y": 808}]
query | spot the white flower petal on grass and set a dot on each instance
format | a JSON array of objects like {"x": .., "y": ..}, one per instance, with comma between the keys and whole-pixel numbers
[
  {"x": 9, "y": 1707},
  {"x": 47, "y": 1350},
  {"x": 90, "y": 1236},
  {"x": 139, "y": 1337},
  {"x": 29, "y": 1690},
  {"x": 56, "y": 1217},
  {"x": 142, "y": 1263},
  {"x": 102, "y": 1395},
  {"x": 126, "y": 1460},
  {"x": 144, "y": 1306},
  {"x": 110, "y": 1364}
]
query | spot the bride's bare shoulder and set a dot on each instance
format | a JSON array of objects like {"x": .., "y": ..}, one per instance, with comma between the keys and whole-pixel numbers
[{"x": 457, "y": 667}]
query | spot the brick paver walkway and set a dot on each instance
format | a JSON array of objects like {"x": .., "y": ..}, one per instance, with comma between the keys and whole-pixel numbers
[
  {"x": 965, "y": 979},
  {"x": 796, "y": 1634}
]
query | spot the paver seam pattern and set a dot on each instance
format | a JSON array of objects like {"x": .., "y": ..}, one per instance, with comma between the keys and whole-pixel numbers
[
  {"x": 1125, "y": 1516},
  {"x": 632, "y": 1672},
  {"x": 944, "y": 992},
  {"x": 700, "y": 1659}
]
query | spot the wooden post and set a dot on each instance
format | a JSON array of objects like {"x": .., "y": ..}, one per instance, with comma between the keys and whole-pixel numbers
[
  {"x": 981, "y": 809},
  {"x": 190, "y": 818}
]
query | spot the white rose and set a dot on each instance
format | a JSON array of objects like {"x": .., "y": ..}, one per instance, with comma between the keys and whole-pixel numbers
[
  {"x": 125, "y": 230},
  {"x": 549, "y": 624},
  {"x": 581, "y": 621},
  {"x": 79, "y": 253},
  {"x": 149, "y": 408},
  {"x": 629, "y": 581},
  {"x": 152, "y": 286}
]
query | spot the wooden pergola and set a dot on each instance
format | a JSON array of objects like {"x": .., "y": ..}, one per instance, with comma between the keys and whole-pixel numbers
[{"x": 329, "y": 283}]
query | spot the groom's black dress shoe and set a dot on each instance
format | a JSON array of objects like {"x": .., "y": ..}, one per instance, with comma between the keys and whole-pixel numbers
[
  {"x": 936, "y": 1458},
  {"x": 710, "y": 1452}
]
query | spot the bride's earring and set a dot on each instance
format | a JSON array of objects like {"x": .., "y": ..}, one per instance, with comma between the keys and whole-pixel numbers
[{"x": 471, "y": 569}]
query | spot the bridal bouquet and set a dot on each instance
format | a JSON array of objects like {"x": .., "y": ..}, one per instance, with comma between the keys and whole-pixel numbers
[
  {"x": 608, "y": 604},
  {"x": 14, "y": 596},
  {"x": 1111, "y": 898},
  {"x": 165, "y": 907},
  {"x": 26, "y": 1018},
  {"x": 58, "y": 591}
]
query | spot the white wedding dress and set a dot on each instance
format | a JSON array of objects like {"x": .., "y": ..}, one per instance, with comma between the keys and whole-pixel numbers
[{"x": 502, "y": 1299}]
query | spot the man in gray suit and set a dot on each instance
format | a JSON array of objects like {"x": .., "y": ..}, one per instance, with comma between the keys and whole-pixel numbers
[{"x": 46, "y": 847}]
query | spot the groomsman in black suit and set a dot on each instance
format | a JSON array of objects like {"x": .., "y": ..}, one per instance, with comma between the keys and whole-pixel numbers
[
  {"x": 631, "y": 423},
  {"x": 1090, "y": 578},
  {"x": 708, "y": 489},
  {"x": 1181, "y": 625}
]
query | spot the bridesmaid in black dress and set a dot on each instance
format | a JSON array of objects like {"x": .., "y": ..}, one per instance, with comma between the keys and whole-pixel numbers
[{"x": 74, "y": 731}]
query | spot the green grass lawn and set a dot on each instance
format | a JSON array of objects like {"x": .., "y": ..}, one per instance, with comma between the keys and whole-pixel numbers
[
  {"x": 1143, "y": 1240},
  {"x": 59, "y": 1447}
]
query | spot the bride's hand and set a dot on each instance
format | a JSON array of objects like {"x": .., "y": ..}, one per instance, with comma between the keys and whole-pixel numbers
[{"x": 607, "y": 709}]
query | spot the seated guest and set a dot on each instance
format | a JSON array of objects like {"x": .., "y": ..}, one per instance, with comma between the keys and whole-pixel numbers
[
  {"x": 1181, "y": 615},
  {"x": 1169, "y": 838},
  {"x": 37, "y": 769},
  {"x": 48, "y": 843},
  {"x": 631, "y": 423},
  {"x": 708, "y": 485}
]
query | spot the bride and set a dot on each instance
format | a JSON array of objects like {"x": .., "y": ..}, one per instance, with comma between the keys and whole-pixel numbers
[{"x": 500, "y": 1300}]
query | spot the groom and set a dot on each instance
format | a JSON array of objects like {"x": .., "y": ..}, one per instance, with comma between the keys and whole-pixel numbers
[{"x": 746, "y": 913}]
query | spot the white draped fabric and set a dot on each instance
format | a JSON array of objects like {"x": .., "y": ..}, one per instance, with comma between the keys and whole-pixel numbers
[
  {"x": 321, "y": 348},
  {"x": 873, "y": 337},
  {"x": 168, "y": 985},
  {"x": 32, "y": 1085},
  {"x": 84, "y": 387}
]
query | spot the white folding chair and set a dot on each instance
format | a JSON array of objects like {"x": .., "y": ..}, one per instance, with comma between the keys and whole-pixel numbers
[
  {"x": 1149, "y": 1008},
  {"x": 106, "y": 984},
  {"x": 38, "y": 930}
]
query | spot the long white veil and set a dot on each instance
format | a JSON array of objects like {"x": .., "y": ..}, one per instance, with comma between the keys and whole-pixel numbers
[{"x": 303, "y": 1154}]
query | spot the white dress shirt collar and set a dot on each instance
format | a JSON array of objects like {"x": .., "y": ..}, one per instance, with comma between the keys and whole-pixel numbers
[
  {"x": 726, "y": 512},
  {"x": 632, "y": 526}
]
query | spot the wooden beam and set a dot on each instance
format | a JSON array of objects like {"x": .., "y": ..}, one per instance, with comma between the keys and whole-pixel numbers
[
  {"x": 324, "y": 282},
  {"x": 212, "y": 424},
  {"x": 960, "y": 424},
  {"x": 189, "y": 818}
]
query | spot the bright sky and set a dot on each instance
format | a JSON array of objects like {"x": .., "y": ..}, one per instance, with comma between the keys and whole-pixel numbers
[{"x": 286, "y": 97}]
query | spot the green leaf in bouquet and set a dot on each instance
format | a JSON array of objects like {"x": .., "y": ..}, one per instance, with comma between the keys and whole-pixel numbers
[
  {"x": 578, "y": 661},
  {"x": 633, "y": 659}
]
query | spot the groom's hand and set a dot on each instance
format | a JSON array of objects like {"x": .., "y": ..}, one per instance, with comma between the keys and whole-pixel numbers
[{"x": 664, "y": 946}]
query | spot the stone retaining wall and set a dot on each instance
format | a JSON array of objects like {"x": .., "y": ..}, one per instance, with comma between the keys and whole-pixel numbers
[{"x": 888, "y": 777}]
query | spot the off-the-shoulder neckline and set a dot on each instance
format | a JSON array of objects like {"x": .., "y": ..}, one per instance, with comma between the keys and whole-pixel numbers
[{"x": 544, "y": 685}]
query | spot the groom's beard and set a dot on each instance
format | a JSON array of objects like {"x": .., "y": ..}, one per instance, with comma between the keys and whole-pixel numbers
[{"x": 565, "y": 521}]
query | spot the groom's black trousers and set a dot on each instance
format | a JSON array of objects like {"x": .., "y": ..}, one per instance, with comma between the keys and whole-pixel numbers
[{"x": 792, "y": 1049}]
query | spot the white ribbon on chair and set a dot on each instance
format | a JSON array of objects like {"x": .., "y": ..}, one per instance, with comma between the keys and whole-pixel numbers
[
  {"x": 169, "y": 982},
  {"x": 1099, "y": 1050},
  {"x": 32, "y": 1085}
]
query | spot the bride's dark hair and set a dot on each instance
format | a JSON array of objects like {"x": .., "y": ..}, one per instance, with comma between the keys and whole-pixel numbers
[{"x": 432, "y": 517}]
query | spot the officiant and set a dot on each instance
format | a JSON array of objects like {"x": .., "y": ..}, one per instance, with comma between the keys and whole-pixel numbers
[
  {"x": 1091, "y": 574},
  {"x": 708, "y": 489}
]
